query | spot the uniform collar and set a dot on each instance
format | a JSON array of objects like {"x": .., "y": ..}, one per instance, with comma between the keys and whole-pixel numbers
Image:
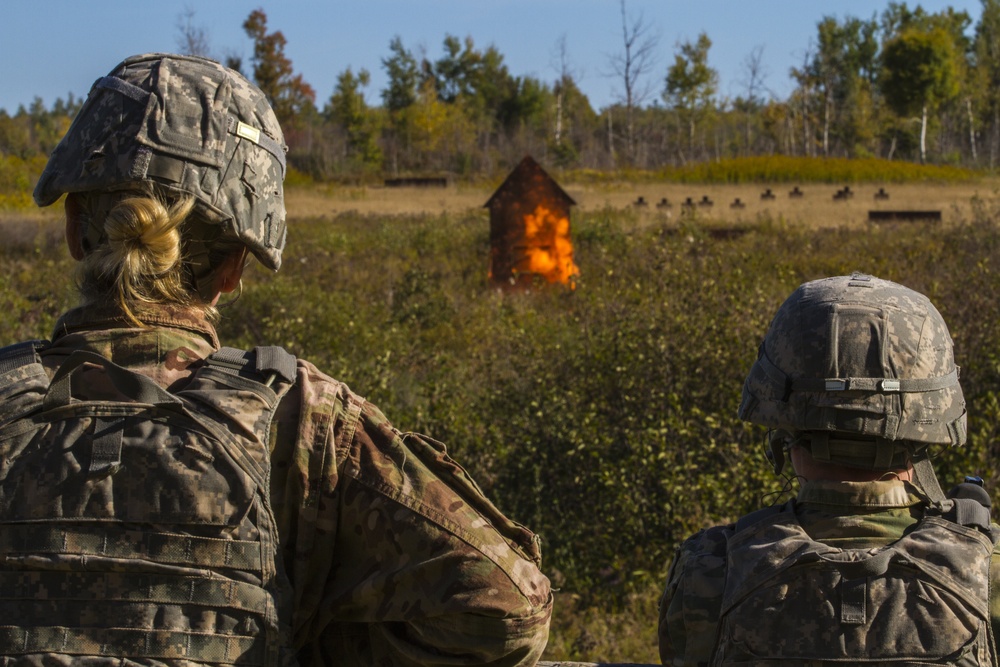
[
  {"x": 875, "y": 495},
  {"x": 94, "y": 317}
]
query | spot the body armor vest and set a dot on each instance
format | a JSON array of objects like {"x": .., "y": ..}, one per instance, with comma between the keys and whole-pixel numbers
[
  {"x": 921, "y": 600},
  {"x": 135, "y": 525}
]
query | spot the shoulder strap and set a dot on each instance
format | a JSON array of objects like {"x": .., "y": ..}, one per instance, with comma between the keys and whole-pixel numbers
[
  {"x": 970, "y": 506},
  {"x": 748, "y": 520},
  {"x": 22, "y": 379},
  {"x": 263, "y": 363},
  {"x": 21, "y": 354},
  {"x": 927, "y": 481}
]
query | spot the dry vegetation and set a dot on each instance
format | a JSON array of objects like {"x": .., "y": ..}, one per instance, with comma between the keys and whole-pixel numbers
[
  {"x": 603, "y": 418},
  {"x": 816, "y": 207}
]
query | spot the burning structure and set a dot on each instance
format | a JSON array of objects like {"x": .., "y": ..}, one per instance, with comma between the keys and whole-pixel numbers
[{"x": 529, "y": 229}]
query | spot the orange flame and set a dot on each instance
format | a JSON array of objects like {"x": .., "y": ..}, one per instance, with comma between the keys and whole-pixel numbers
[{"x": 547, "y": 250}]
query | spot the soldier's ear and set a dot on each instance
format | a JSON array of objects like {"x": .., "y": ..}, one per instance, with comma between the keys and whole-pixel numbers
[
  {"x": 74, "y": 226},
  {"x": 231, "y": 270}
]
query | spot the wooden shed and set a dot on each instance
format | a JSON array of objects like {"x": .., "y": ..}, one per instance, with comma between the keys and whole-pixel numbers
[{"x": 530, "y": 229}]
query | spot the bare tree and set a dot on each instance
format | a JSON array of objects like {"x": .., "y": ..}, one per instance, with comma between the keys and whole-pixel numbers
[
  {"x": 754, "y": 74},
  {"x": 631, "y": 65},
  {"x": 804, "y": 77},
  {"x": 561, "y": 65},
  {"x": 193, "y": 39}
]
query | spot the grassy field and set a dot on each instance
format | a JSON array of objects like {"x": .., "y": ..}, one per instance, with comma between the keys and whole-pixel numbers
[
  {"x": 604, "y": 418},
  {"x": 816, "y": 208}
]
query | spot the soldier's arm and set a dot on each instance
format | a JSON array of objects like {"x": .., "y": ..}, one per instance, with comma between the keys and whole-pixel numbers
[
  {"x": 392, "y": 551},
  {"x": 995, "y": 595},
  {"x": 692, "y": 599},
  {"x": 425, "y": 568}
]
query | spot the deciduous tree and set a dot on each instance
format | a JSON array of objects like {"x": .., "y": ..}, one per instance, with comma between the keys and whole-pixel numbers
[
  {"x": 349, "y": 111},
  {"x": 922, "y": 70},
  {"x": 288, "y": 93},
  {"x": 404, "y": 77},
  {"x": 192, "y": 39},
  {"x": 843, "y": 69},
  {"x": 691, "y": 83},
  {"x": 986, "y": 72},
  {"x": 574, "y": 121}
]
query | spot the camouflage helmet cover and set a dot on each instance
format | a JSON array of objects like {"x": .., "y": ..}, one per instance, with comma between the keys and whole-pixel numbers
[
  {"x": 186, "y": 124},
  {"x": 862, "y": 356}
]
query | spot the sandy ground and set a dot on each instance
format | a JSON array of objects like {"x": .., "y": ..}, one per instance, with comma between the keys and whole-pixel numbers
[{"x": 816, "y": 206}]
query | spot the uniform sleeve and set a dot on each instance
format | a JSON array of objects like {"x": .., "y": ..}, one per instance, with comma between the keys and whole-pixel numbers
[
  {"x": 995, "y": 593},
  {"x": 692, "y": 599},
  {"x": 400, "y": 558}
]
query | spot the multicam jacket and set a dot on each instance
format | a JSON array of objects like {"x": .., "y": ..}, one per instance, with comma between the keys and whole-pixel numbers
[
  {"x": 394, "y": 555},
  {"x": 848, "y": 515}
]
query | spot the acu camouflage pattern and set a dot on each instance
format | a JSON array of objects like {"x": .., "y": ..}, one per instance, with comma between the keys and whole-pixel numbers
[
  {"x": 135, "y": 523},
  {"x": 860, "y": 355},
  {"x": 780, "y": 606},
  {"x": 924, "y": 599},
  {"x": 395, "y": 556},
  {"x": 188, "y": 125}
]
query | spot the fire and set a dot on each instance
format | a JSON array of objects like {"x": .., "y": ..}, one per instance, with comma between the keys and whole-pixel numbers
[
  {"x": 547, "y": 250},
  {"x": 530, "y": 230}
]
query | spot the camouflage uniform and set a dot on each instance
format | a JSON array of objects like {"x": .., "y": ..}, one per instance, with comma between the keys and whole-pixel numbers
[
  {"x": 841, "y": 514},
  {"x": 394, "y": 554},
  {"x": 859, "y": 372}
]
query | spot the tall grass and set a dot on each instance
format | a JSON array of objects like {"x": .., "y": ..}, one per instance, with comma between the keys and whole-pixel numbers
[
  {"x": 602, "y": 417},
  {"x": 786, "y": 169}
]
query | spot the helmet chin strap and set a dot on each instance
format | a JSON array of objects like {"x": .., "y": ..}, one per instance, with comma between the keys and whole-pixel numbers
[{"x": 775, "y": 456}]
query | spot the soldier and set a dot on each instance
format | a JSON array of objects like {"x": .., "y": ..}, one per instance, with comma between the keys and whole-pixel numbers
[
  {"x": 870, "y": 563},
  {"x": 165, "y": 501}
]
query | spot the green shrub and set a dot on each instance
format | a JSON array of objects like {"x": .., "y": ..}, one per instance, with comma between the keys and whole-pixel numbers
[
  {"x": 17, "y": 179},
  {"x": 603, "y": 417},
  {"x": 785, "y": 169}
]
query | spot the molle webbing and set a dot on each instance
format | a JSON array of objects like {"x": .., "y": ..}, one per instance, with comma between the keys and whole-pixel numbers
[
  {"x": 115, "y": 642},
  {"x": 63, "y": 586},
  {"x": 106, "y": 447},
  {"x": 71, "y": 586},
  {"x": 111, "y": 542},
  {"x": 20, "y": 354}
]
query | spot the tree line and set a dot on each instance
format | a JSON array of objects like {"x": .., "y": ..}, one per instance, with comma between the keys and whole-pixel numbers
[{"x": 905, "y": 84}]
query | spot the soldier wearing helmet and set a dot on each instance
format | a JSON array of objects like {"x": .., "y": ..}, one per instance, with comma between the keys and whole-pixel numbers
[
  {"x": 167, "y": 501},
  {"x": 871, "y": 562}
]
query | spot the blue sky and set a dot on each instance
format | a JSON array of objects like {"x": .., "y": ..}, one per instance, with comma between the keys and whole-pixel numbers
[{"x": 49, "y": 48}]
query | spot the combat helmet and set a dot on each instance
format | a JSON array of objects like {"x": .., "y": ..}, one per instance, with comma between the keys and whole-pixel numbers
[
  {"x": 864, "y": 368},
  {"x": 188, "y": 125}
]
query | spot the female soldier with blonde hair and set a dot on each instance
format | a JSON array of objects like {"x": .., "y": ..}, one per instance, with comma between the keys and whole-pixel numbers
[{"x": 167, "y": 501}]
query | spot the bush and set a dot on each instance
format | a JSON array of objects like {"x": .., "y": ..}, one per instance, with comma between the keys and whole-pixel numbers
[
  {"x": 603, "y": 417},
  {"x": 785, "y": 169}
]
